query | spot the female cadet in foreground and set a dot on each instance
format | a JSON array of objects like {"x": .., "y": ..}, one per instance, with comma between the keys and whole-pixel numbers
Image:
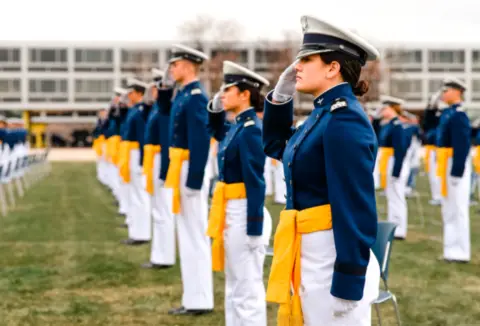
[
  {"x": 238, "y": 223},
  {"x": 322, "y": 246}
]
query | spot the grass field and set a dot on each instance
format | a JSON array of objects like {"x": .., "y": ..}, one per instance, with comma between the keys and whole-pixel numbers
[{"x": 61, "y": 264}]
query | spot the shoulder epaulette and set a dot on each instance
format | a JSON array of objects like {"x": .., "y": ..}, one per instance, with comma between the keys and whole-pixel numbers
[
  {"x": 338, "y": 104},
  {"x": 196, "y": 91},
  {"x": 249, "y": 123}
]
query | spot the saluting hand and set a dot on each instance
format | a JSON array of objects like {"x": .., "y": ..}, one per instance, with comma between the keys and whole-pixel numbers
[
  {"x": 167, "y": 80},
  {"x": 285, "y": 87},
  {"x": 215, "y": 105}
]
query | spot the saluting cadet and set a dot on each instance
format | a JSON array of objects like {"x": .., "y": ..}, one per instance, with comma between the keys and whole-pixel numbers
[
  {"x": 162, "y": 254},
  {"x": 431, "y": 119},
  {"x": 394, "y": 164},
  {"x": 189, "y": 143},
  {"x": 138, "y": 231},
  {"x": 163, "y": 242},
  {"x": 330, "y": 221},
  {"x": 236, "y": 221},
  {"x": 454, "y": 169}
]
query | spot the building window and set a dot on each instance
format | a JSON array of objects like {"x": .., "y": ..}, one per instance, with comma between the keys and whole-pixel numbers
[
  {"x": 93, "y": 90},
  {"x": 48, "y": 59},
  {"x": 240, "y": 56},
  {"x": 476, "y": 60},
  {"x": 434, "y": 85},
  {"x": 446, "y": 60},
  {"x": 408, "y": 89},
  {"x": 475, "y": 89},
  {"x": 10, "y": 90},
  {"x": 139, "y": 60},
  {"x": 48, "y": 90},
  {"x": 269, "y": 56},
  {"x": 94, "y": 60},
  {"x": 10, "y": 59}
]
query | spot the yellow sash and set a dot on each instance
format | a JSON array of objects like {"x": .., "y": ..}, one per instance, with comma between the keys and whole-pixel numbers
[
  {"x": 385, "y": 154},
  {"x": 428, "y": 155},
  {"x": 476, "y": 159},
  {"x": 216, "y": 221},
  {"x": 443, "y": 154},
  {"x": 97, "y": 145},
  {"x": 177, "y": 157},
  {"x": 286, "y": 269},
  {"x": 125, "y": 168},
  {"x": 149, "y": 152},
  {"x": 115, "y": 149}
]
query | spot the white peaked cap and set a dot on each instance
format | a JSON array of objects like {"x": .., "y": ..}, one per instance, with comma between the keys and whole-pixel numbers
[
  {"x": 320, "y": 36},
  {"x": 234, "y": 74}
]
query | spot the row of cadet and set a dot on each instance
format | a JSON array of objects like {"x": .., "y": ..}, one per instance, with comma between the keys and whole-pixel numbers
[
  {"x": 449, "y": 152},
  {"x": 161, "y": 155},
  {"x": 19, "y": 168},
  {"x": 155, "y": 154}
]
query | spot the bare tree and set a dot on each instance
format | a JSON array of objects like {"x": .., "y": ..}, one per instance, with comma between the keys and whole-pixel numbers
[
  {"x": 372, "y": 73},
  {"x": 220, "y": 37}
]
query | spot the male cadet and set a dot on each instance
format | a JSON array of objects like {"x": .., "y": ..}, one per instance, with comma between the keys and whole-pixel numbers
[
  {"x": 156, "y": 155},
  {"x": 454, "y": 169},
  {"x": 138, "y": 233},
  {"x": 431, "y": 119},
  {"x": 189, "y": 149}
]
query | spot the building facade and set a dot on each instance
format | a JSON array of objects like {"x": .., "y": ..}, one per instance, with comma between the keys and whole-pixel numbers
[{"x": 68, "y": 82}]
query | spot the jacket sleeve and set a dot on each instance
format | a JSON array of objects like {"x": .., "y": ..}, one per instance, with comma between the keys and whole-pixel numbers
[
  {"x": 399, "y": 140},
  {"x": 164, "y": 125},
  {"x": 461, "y": 130},
  {"x": 198, "y": 139},
  {"x": 217, "y": 125},
  {"x": 277, "y": 127},
  {"x": 140, "y": 134},
  {"x": 252, "y": 161},
  {"x": 164, "y": 100},
  {"x": 351, "y": 194}
]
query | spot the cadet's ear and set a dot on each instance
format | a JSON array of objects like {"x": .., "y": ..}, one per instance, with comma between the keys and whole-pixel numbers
[{"x": 245, "y": 95}]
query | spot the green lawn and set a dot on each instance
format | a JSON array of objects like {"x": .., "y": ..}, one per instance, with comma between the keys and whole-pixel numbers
[{"x": 61, "y": 264}]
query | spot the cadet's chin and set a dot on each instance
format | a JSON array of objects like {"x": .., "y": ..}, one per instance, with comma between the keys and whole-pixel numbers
[{"x": 301, "y": 88}]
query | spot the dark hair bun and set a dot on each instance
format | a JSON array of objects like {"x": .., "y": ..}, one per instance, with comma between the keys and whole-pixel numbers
[{"x": 361, "y": 88}]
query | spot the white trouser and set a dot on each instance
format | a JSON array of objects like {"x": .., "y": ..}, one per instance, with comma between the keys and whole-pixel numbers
[
  {"x": 433, "y": 178},
  {"x": 267, "y": 174},
  {"x": 244, "y": 289},
  {"x": 194, "y": 247},
  {"x": 316, "y": 281},
  {"x": 396, "y": 202},
  {"x": 280, "y": 185},
  {"x": 138, "y": 220},
  {"x": 115, "y": 181},
  {"x": 456, "y": 217},
  {"x": 122, "y": 196},
  {"x": 376, "y": 173},
  {"x": 163, "y": 238}
]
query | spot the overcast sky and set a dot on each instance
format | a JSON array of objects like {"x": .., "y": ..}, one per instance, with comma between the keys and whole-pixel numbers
[{"x": 149, "y": 20}]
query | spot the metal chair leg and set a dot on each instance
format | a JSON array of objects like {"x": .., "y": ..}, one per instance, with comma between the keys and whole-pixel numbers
[
  {"x": 397, "y": 312},
  {"x": 379, "y": 318}
]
